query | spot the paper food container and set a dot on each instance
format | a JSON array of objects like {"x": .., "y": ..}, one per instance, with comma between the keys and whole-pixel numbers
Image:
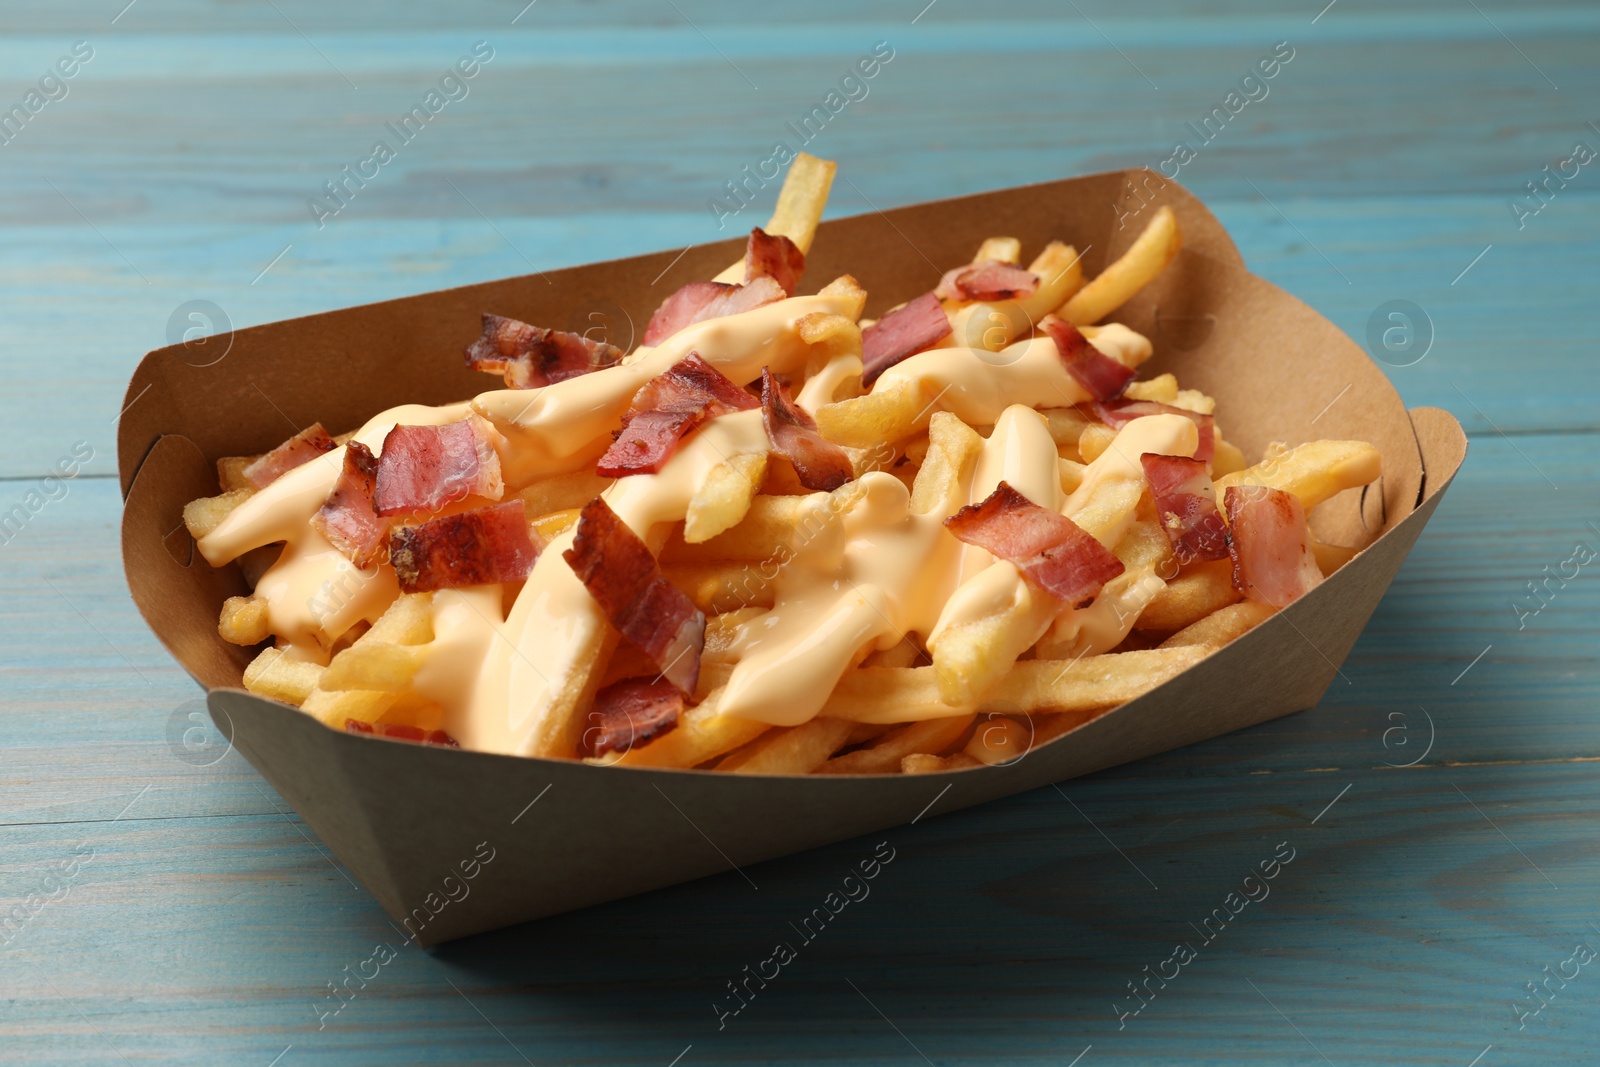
[{"x": 410, "y": 820}]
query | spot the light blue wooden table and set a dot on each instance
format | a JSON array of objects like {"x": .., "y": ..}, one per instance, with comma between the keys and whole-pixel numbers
[{"x": 174, "y": 913}]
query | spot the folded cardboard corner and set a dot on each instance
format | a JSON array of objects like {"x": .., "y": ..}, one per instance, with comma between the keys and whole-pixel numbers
[{"x": 561, "y": 835}]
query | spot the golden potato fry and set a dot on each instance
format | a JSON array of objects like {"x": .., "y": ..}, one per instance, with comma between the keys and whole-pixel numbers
[
  {"x": 716, "y": 588},
  {"x": 244, "y": 621},
  {"x": 1066, "y": 426},
  {"x": 999, "y": 249},
  {"x": 883, "y": 756},
  {"x": 887, "y": 414},
  {"x": 906, "y": 694},
  {"x": 1163, "y": 389},
  {"x": 702, "y": 734},
  {"x": 1094, "y": 441},
  {"x": 230, "y": 472},
  {"x": 994, "y": 325},
  {"x": 999, "y": 739},
  {"x": 562, "y": 492},
  {"x": 375, "y": 665},
  {"x": 547, "y": 528},
  {"x": 273, "y": 674},
  {"x": 1147, "y": 257},
  {"x": 922, "y": 763},
  {"x": 407, "y": 621},
  {"x": 723, "y": 499},
  {"x": 206, "y": 514},
  {"x": 1228, "y": 459},
  {"x": 1313, "y": 472},
  {"x": 799, "y": 208},
  {"x": 829, "y": 336},
  {"x": 1199, "y": 590},
  {"x": 953, "y": 450},
  {"x": 334, "y": 708},
  {"x": 766, "y": 531},
  {"x": 1221, "y": 626},
  {"x": 1195, "y": 400},
  {"x": 790, "y": 750}
]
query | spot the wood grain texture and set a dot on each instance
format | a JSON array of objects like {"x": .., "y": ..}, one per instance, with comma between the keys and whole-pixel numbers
[{"x": 202, "y": 923}]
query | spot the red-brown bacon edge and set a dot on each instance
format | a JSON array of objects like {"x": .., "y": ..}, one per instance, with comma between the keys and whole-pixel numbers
[
  {"x": 1273, "y": 562},
  {"x": 818, "y": 463},
  {"x": 699, "y": 301},
  {"x": 772, "y": 255},
  {"x": 1118, "y": 413},
  {"x": 987, "y": 279},
  {"x": 665, "y": 410},
  {"x": 1052, "y": 552},
  {"x": 1186, "y": 507},
  {"x": 474, "y": 547},
  {"x": 908, "y": 329},
  {"x": 303, "y": 447},
  {"x": 423, "y": 468},
  {"x": 630, "y": 713},
  {"x": 624, "y": 579},
  {"x": 347, "y": 517},
  {"x": 529, "y": 357},
  {"x": 1101, "y": 376}
]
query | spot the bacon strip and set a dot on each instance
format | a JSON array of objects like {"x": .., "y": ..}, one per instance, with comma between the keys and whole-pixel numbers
[
  {"x": 531, "y": 356},
  {"x": 1186, "y": 505},
  {"x": 905, "y": 331},
  {"x": 819, "y": 464},
  {"x": 303, "y": 447},
  {"x": 1118, "y": 413},
  {"x": 622, "y": 576},
  {"x": 631, "y": 713},
  {"x": 663, "y": 412},
  {"x": 347, "y": 518},
  {"x": 1050, "y": 550},
  {"x": 987, "y": 279},
  {"x": 469, "y": 548},
  {"x": 423, "y": 468},
  {"x": 1099, "y": 374},
  {"x": 699, "y": 301},
  {"x": 400, "y": 732},
  {"x": 773, "y": 256},
  {"x": 1271, "y": 545}
]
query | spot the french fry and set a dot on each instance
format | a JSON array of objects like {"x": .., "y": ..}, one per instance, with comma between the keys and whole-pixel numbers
[
  {"x": 1066, "y": 426},
  {"x": 562, "y": 492},
  {"x": 953, "y": 450},
  {"x": 1221, "y": 626},
  {"x": 999, "y": 249},
  {"x": 883, "y": 756},
  {"x": 1163, "y": 389},
  {"x": 547, "y": 528},
  {"x": 1147, "y": 257},
  {"x": 994, "y": 325},
  {"x": 767, "y": 530},
  {"x": 724, "y": 497},
  {"x": 1228, "y": 459},
  {"x": 922, "y": 763},
  {"x": 1314, "y": 472},
  {"x": 1000, "y": 739},
  {"x": 904, "y": 653},
  {"x": 230, "y": 472},
  {"x": 716, "y": 588},
  {"x": 1199, "y": 590},
  {"x": 407, "y": 621},
  {"x": 274, "y": 675},
  {"x": 1094, "y": 441},
  {"x": 792, "y": 750},
  {"x": 702, "y": 734},
  {"x": 375, "y": 665},
  {"x": 799, "y": 208},
  {"x": 334, "y": 707},
  {"x": 906, "y": 694},
  {"x": 206, "y": 514},
  {"x": 887, "y": 414},
  {"x": 244, "y": 621},
  {"x": 1071, "y": 474}
]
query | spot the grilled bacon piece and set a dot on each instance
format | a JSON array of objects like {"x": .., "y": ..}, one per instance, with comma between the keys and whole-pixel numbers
[
  {"x": 622, "y": 576},
  {"x": 699, "y": 301},
  {"x": 819, "y": 464},
  {"x": 474, "y": 547},
  {"x": 905, "y": 331},
  {"x": 987, "y": 279},
  {"x": 630, "y": 713},
  {"x": 303, "y": 447},
  {"x": 1100, "y": 375},
  {"x": 665, "y": 410},
  {"x": 423, "y": 468},
  {"x": 1118, "y": 413},
  {"x": 1186, "y": 506},
  {"x": 347, "y": 517},
  {"x": 1051, "y": 551},
  {"x": 769, "y": 255},
  {"x": 529, "y": 357},
  {"x": 1271, "y": 545}
]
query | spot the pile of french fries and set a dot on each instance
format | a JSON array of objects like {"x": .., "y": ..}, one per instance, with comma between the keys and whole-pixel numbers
[{"x": 986, "y": 691}]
